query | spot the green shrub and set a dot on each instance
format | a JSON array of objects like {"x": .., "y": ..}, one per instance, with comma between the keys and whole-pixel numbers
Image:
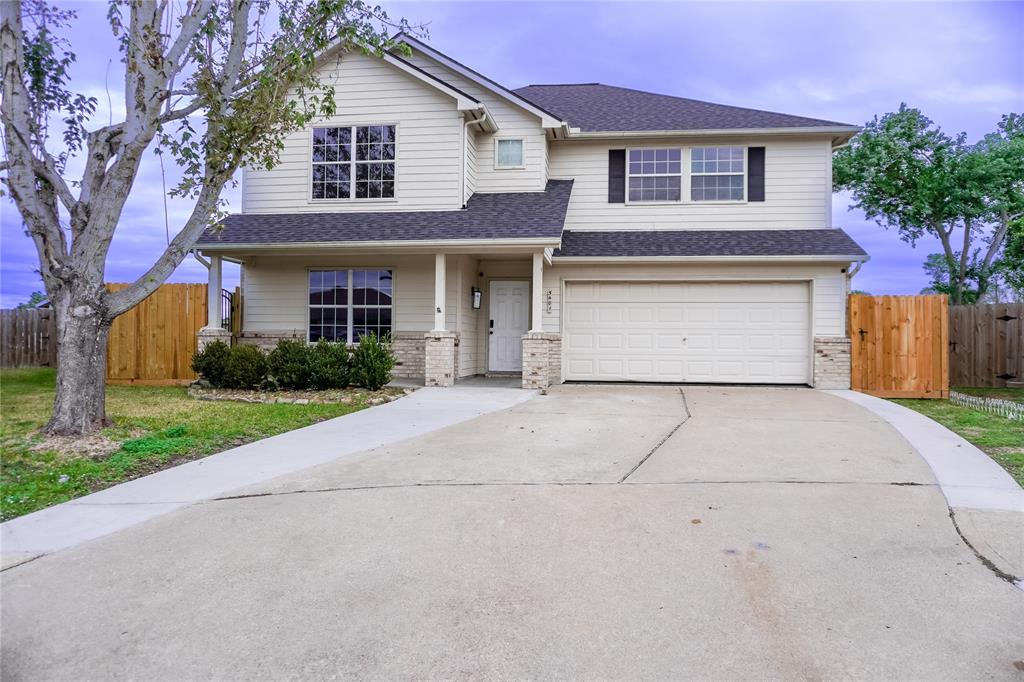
[
  {"x": 328, "y": 365},
  {"x": 210, "y": 363},
  {"x": 288, "y": 364},
  {"x": 372, "y": 362},
  {"x": 246, "y": 368}
]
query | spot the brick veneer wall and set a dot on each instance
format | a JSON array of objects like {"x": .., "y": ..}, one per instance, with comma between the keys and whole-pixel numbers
[
  {"x": 267, "y": 340},
  {"x": 542, "y": 360},
  {"x": 409, "y": 349},
  {"x": 440, "y": 358},
  {"x": 831, "y": 362}
]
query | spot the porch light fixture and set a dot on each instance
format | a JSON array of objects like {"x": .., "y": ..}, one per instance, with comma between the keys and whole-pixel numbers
[{"x": 475, "y": 291}]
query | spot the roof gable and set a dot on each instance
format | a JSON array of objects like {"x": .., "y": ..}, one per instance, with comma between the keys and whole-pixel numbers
[{"x": 548, "y": 120}]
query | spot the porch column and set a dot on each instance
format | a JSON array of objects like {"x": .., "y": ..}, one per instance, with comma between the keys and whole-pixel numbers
[
  {"x": 542, "y": 351},
  {"x": 440, "y": 346},
  {"x": 537, "y": 287},
  {"x": 213, "y": 331},
  {"x": 439, "y": 293},
  {"x": 213, "y": 293}
]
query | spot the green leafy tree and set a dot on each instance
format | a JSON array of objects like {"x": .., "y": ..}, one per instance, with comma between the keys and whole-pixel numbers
[
  {"x": 905, "y": 173},
  {"x": 214, "y": 84},
  {"x": 34, "y": 300},
  {"x": 1011, "y": 266}
]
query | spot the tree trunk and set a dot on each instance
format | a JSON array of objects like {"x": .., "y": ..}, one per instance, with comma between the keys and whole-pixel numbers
[{"x": 80, "y": 404}]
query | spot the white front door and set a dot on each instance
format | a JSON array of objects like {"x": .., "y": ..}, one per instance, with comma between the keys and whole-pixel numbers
[{"x": 510, "y": 319}]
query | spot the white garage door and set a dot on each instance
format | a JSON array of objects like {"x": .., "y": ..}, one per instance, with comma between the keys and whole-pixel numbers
[{"x": 740, "y": 332}]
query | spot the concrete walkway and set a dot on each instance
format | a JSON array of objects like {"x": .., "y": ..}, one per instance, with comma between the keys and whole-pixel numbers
[
  {"x": 125, "y": 505},
  {"x": 986, "y": 504}
]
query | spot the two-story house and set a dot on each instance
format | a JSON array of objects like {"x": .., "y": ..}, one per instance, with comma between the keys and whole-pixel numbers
[{"x": 576, "y": 232}]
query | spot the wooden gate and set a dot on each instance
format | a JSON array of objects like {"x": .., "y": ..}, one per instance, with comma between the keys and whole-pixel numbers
[
  {"x": 153, "y": 342},
  {"x": 986, "y": 344},
  {"x": 899, "y": 346}
]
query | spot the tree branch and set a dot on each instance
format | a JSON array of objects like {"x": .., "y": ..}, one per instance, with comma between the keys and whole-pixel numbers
[{"x": 38, "y": 208}]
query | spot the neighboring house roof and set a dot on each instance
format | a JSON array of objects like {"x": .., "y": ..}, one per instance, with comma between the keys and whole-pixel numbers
[
  {"x": 501, "y": 216},
  {"x": 708, "y": 244},
  {"x": 594, "y": 107}
]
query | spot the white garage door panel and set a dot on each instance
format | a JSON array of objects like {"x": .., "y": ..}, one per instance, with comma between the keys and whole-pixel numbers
[{"x": 692, "y": 331}]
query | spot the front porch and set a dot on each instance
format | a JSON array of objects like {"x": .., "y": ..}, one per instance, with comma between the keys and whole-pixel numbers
[{"x": 451, "y": 315}]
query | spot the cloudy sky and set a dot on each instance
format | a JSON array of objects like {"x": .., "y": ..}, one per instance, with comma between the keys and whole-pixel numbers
[{"x": 961, "y": 63}]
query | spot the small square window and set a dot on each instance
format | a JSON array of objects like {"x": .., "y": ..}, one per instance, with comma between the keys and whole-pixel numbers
[{"x": 509, "y": 154}]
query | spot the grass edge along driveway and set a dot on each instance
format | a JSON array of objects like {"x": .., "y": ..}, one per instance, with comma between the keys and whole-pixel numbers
[
  {"x": 1000, "y": 438},
  {"x": 153, "y": 428}
]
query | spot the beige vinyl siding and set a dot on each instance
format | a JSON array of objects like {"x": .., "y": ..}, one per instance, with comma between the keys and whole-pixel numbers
[
  {"x": 797, "y": 173},
  {"x": 827, "y": 283},
  {"x": 512, "y": 121},
  {"x": 370, "y": 91},
  {"x": 276, "y": 287},
  {"x": 471, "y": 162},
  {"x": 467, "y": 320}
]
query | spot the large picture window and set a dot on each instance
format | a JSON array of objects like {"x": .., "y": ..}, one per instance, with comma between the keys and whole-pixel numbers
[
  {"x": 717, "y": 174},
  {"x": 655, "y": 174},
  {"x": 354, "y": 162},
  {"x": 346, "y": 304}
]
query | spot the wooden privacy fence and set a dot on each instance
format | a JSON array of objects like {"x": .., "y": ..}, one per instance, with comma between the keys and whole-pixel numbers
[
  {"x": 28, "y": 338},
  {"x": 899, "y": 346},
  {"x": 153, "y": 342},
  {"x": 986, "y": 344}
]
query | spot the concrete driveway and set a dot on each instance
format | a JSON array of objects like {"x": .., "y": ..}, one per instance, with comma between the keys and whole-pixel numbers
[{"x": 595, "y": 532}]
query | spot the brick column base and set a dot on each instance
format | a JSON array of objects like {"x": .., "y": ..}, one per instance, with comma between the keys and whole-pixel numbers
[
  {"x": 542, "y": 360},
  {"x": 409, "y": 350},
  {"x": 831, "y": 362},
  {"x": 207, "y": 335},
  {"x": 440, "y": 358}
]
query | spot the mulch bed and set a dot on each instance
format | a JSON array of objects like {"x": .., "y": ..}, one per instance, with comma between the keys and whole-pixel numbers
[{"x": 343, "y": 396}]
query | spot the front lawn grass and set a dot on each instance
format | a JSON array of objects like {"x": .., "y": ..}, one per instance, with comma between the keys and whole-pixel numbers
[
  {"x": 1000, "y": 438},
  {"x": 153, "y": 428},
  {"x": 1014, "y": 394}
]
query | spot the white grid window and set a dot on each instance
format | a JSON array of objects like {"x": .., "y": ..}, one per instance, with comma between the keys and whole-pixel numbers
[
  {"x": 368, "y": 173},
  {"x": 717, "y": 174},
  {"x": 655, "y": 174},
  {"x": 346, "y": 304}
]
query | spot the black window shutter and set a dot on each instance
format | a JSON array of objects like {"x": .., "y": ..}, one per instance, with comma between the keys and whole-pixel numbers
[
  {"x": 755, "y": 174},
  {"x": 616, "y": 176}
]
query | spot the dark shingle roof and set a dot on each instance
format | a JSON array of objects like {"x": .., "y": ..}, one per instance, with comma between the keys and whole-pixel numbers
[
  {"x": 665, "y": 243},
  {"x": 593, "y": 107},
  {"x": 518, "y": 215}
]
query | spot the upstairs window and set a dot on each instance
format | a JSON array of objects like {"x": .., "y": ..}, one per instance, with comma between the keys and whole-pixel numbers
[
  {"x": 717, "y": 173},
  {"x": 655, "y": 175},
  {"x": 354, "y": 162},
  {"x": 509, "y": 154}
]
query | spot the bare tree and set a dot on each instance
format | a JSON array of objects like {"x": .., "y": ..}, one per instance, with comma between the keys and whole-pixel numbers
[{"x": 216, "y": 84}]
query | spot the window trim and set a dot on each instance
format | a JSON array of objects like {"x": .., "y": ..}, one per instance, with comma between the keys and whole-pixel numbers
[
  {"x": 691, "y": 174},
  {"x": 353, "y": 199},
  {"x": 350, "y": 306},
  {"x": 498, "y": 166},
  {"x": 683, "y": 162}
]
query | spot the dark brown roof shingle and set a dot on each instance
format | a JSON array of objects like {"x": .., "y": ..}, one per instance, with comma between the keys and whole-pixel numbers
[
  {"x": 500, "y": 216},
  {"x": 594, "y": 107},
  {"x": 677, "y": 243}
]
